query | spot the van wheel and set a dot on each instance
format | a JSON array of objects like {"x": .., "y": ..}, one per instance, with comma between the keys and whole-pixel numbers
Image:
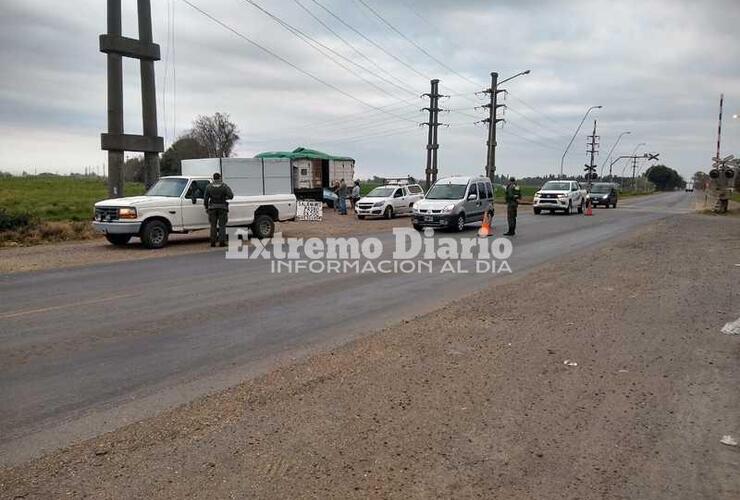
[
  {"x": 459, "y": 223},
  {"x": 154, "y": 234},
  {"x": 388, "y": 213},
  {"x": 118, "y": 239},
  {"x": 263, "y": 227}
]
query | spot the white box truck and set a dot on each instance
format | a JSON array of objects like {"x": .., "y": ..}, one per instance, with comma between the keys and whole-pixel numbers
[{"x": 263, "y": 195}]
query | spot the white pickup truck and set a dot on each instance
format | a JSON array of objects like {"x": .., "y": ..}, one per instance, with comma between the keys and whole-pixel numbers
[
  {"x": 563, "y": 196},
  {"x": 175, "y": 204}
]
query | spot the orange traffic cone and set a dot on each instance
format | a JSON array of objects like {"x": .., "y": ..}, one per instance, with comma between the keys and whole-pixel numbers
[
  {"x": 485, "y": 230},
  {"x": 589, "y": 210}
]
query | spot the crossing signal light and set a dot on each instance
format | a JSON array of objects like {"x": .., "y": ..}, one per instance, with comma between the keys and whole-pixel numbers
[
  {"x": 653, "y": 157},
  {"x": 590, "y": 172}
]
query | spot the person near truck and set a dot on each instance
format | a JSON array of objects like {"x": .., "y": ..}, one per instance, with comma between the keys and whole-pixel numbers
[
  {"x": 355, "y": 193},
  {"x": 342, "y": 194},
  {"x": 513, "y": 195},
  {"x": 216, "y": 202}
]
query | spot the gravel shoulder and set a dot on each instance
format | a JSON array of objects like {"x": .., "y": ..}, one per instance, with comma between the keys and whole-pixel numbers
[
  {"x": 98, "y": 250},
  {"x": 473, "y": 400}
]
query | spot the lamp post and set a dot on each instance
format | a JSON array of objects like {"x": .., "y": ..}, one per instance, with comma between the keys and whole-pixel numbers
[
  {"x": 633, "y": 160},
  {"x": 601, "y": 173},
  {"x": 574, "y": 136}
]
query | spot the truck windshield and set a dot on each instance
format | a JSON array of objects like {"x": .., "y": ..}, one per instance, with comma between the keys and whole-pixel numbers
[
  {"x": 446, "y": 192},
  {"x": 381, "y": 192},
  {"x": 168, "y": 187},
  {"x": 556, "y": 186}
]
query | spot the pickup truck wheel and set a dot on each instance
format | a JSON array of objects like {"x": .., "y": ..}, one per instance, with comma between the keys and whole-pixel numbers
[
  {"x": 361, "y": 217},
  {"x": 154, "y": 234},
  {"x": 118, "y": 239},
  {"x": 569, "y": 210},
  {"x": 263, "y": 226},
  {"x": 580, "y": 208},
  {"x": 537, "y": 211},
  {"x": 388, "y": 213}
]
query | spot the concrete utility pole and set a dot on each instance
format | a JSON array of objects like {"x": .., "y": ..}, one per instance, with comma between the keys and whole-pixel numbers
[
  {"x": 592, "y": 149},
  {"x": 433, "y": 124},
  {"x": 492, "y": 121},
  {"x": 562, "y": 160},
  {"x": 115, "y": 141}
]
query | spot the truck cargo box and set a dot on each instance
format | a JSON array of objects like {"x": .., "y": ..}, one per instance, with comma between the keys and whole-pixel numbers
[{"x": 246, "y": 176}]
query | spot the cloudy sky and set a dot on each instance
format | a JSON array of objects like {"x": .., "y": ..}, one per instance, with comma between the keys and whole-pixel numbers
[{"x": 658, "y": 68}]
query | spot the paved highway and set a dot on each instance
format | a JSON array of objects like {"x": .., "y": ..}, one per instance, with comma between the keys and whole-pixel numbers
[{"x": 85, "y": 350}]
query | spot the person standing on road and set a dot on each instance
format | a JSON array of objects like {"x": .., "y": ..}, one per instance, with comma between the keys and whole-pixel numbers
[
  {"x": 342, "y": 194},
  {"x": 355, "y": 194},
  {"x": 513, "y": 195},
  {"x": 216, "y": 202}
]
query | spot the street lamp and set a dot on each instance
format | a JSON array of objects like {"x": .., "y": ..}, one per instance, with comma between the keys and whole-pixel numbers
[
  {"x": 574, "y": 136},
  {"x": 512, "y": 77},
  {"x": 601, "y": 173},
  {"x": 626, "y": 164}
]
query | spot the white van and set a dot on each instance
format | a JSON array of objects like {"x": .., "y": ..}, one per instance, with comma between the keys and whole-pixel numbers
[{"x": 453, "y": 202}]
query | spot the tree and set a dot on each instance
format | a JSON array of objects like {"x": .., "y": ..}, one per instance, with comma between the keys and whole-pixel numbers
[
  {"x": 664, "y": 178},
  {"x": 217, "y": 134},
  {"x": 184, "y": 148},
  {"x": 133, "y": 169},
  {"x": 700, "y": 180}
]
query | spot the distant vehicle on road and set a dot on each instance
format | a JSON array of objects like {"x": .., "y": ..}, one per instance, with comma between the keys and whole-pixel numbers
[
  {"x": 175, "y": 204},
  {"x": 389, "y": 200},
  {"x": 453, "y": 202},
  {"x": 560, "y": 196},
  {"x": 689, "y": 187},
  {"x": 604, "y": 193}
]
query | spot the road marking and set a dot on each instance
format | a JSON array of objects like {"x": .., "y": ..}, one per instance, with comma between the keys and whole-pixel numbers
[{"x": 64, "y": 306}]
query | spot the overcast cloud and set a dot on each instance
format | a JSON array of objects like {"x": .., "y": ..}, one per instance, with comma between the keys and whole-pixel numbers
[{"x": 657, "y": 67}]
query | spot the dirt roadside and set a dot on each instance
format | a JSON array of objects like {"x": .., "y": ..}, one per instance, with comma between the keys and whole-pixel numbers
[
  {"x": 98, "y": 250},
  {"x": 473, "y": 400}
]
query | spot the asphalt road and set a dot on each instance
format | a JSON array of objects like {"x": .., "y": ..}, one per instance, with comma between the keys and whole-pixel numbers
[{"x": 86, "y": 350}]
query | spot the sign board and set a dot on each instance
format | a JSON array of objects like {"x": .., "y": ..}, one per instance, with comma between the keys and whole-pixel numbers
[{"x": 309, "y": 210}]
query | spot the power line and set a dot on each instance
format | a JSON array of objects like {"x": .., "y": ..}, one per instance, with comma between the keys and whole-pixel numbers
[
  {"x": 525, "y": 103},
  {"x": 534, "y": 122},
  {"x": 309, "y": 40},
  {"x": 509, "y": 132},
  {"x": 286, "y": 61},
  {"x": 418, "y": 47},
  {"x": 356, "y": 50}
]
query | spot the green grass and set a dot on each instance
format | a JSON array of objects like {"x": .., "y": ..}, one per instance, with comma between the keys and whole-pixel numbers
[{"x": 56, "y": 198}]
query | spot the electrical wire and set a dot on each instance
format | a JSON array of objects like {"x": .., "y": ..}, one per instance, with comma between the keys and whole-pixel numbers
[
  {"x": 357, "y": 51},
  {"x": 284, "y": 60},
  {"x": 416, "y": 45},
  {"x": 312, "y": 42}
]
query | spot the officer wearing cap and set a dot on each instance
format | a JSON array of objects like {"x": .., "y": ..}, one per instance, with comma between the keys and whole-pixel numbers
[
  {"x": 216, "y": 202},
  {"x": 513, "y": 195}
]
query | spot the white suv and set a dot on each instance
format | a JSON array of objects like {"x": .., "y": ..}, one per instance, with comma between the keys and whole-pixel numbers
[
  {"x": 562, "y": 196},
  {"x": 389, "y": 200}
]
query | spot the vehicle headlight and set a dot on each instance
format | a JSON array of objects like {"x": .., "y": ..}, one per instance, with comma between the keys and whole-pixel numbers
[
  {"x": 537, "y": 195},
  {"x": 448, "y": 208},
  {"x": 415, "y": 209},
  {"x": 378, "y": 204},
  {"x": 562, "y": 196},
  {"x": 127, "y": 213}
]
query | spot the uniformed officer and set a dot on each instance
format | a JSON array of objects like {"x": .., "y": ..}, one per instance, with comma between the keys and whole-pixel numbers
[
  {"x": 216, "y": 201},
  {"x": 513, "y": 195}
]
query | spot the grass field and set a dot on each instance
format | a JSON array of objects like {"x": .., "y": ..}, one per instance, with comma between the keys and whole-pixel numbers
[{"x": 55, "y": 198}]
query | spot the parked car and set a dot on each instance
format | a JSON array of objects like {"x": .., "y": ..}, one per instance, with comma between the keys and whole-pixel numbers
[
  {"x": 453, "y": 202},
  {"x": 604, "y": 193},
  {"x": 175, "y": 204},
  {"x": 389, "y": 200},
  {"x": 560, "y": 196}
]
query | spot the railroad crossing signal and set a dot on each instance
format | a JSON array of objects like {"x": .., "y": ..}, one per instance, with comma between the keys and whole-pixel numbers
[
  {"x": 652, "y": 156},
  {"x": 591, "y": 172}
]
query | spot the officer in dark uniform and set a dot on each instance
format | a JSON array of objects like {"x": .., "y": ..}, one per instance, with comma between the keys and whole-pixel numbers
[
  {"x": 513, "y": 195},
  {"x": 216, "y": 201}
]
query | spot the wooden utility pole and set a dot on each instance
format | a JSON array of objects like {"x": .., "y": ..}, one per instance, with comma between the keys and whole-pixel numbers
[{"x": 115, "y": 141}]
